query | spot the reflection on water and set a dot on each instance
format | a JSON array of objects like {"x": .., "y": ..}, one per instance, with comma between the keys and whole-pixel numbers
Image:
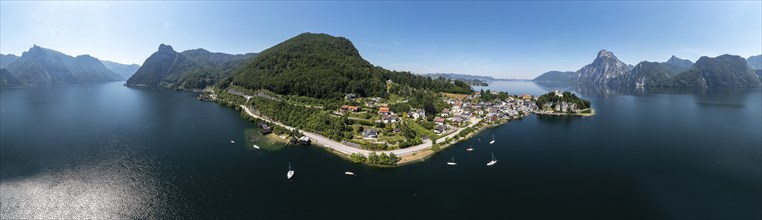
[
  {"x": 719, "y": 105},
  {"x": 610, "y": 91},
  {"x": 112, "y": 181}
]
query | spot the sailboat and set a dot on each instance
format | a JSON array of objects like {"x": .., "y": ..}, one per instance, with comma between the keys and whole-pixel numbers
[
  {"x": 452, "y": 162},
  {"x": 470, "y": 148},
  {"x": 493, "y": 139},
  {"x": 493, "y": 161},
  {"x": 290, "y": 171}
]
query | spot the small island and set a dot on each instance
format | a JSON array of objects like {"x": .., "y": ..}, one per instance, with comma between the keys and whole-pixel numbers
[{"x": 563, "y": 103}]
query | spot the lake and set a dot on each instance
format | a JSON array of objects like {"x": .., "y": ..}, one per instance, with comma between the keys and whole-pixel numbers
[{"x": 110, "y": 151}]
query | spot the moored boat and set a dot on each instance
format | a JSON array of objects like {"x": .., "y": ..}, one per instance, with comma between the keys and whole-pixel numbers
[{"x": 493, "y": 161}]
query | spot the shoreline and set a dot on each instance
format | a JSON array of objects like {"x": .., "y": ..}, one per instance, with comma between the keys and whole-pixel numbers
[
  {"x": 427, "y": 153},
  {"x": 417, "y": 153},
  {"x": 591, "y": 113},
  {"x": 347, "y": 151}
]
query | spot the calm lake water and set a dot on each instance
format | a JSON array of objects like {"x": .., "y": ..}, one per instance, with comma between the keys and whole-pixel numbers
[{"x": 109, "y": 151}]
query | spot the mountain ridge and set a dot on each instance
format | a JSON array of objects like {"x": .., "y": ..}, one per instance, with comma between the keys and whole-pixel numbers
[
  {"x": 719, "y": 72},
  {"x": 43, "y": 66},
  {"x": 190, "y": 69},
  {"x": 466, "y": 76}
]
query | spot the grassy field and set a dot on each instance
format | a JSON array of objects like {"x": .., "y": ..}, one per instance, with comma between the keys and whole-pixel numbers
[
  {"x": 419, "y": 129},
  {"x": 454, "y": 96},
  {"x": 266, "y": 142}
]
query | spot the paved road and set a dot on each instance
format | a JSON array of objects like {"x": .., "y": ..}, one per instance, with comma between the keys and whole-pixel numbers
[{"x": 343, "y": 148}]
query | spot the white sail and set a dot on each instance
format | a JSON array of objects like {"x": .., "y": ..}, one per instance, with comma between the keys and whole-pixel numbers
[
  {"x": 493, "y": 161},
  {"x": 452, "y": 162}
]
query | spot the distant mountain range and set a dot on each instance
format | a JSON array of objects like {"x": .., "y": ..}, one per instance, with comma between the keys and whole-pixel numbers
[
  {"x": 474, "y": 80},
  {"x": 464, "y": 77},
  {"x": 123, "y": 70},
  {"x": 42, "y": 66},
  {"x": 557, "y": 76},
  {"x": 720, "y": 72},
  {"x": 191, "y": 69},
  {"x": 7, "y": 59},
  {"x": 198, "y": 68},
  {"x": 470, "y": 79}
]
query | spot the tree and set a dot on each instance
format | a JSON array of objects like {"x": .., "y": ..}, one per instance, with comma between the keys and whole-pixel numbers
[
  {"x": 393, "y": 159},
  {"x": 388, "y": 128},
  {"x": 429, "y": 108},
  {"x": 383, "y": 159},
  {"x": 357, "y": 158},
  {"x": 373, "y": 158},
  {"x": 435, "y": 147}
]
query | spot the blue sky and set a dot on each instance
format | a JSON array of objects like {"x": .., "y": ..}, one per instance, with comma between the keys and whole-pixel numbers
[{"x": 500, "y": 39}]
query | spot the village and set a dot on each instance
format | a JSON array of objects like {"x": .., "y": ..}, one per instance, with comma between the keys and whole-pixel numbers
[{"x": 377, "y": 127}]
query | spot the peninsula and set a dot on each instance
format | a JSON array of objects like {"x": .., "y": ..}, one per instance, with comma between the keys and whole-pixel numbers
[{"x": 317, "y": 89}]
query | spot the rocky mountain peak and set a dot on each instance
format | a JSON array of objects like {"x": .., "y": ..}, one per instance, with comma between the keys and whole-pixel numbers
[
  {"x": 606, "y": 54},
  {"x": 85, "y": 56},
  {"x": 35, "y": 50},
  {"x": 166, "y": 49},
  {"x": 605, "y": 67},
  {"x": 674, "y": 60}
]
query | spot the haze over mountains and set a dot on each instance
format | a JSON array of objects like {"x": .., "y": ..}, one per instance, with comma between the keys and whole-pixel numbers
[
  {"x": 7, "y": 59},
  {"x": 198, "y": 68},
  {"x": 42, "y": 66},
  {"x": 724, "y": 71},
  {"x": 123, "y": 70},
  {"x": 474, "y": 80},
  {"x": 463, "y": 76}
]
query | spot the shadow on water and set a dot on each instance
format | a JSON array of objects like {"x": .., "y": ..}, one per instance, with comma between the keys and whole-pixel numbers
[{"x": 729, "y": 94}]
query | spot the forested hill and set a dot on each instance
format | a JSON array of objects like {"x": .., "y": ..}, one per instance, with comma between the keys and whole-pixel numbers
[{"x": 324, "y": 66}]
